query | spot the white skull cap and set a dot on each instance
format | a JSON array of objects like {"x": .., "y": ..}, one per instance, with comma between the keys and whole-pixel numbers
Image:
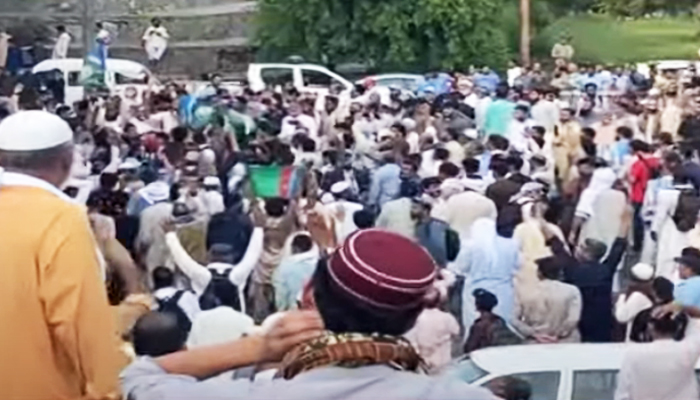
[{"x": 33, "y": 130}]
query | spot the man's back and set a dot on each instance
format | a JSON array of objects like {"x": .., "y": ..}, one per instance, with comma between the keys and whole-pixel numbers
[
  {"x": 661, "y": 370},
  {"x": 465, "y": 208},
  {"x": 554, "y": 309},
  {"x": 396, "y": 217},
  {"x": 144, "y": 380},
  {"x": 59, "y": 332}
]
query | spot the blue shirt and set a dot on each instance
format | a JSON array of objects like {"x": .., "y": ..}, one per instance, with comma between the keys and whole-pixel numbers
[
  {"x": 487, "y": 81},
  {"x": 687, "y": 292},
  {"x": 386, "y": 183},
  {"x": 498, "y": 117},
  {"x": 619, "y": 151}
]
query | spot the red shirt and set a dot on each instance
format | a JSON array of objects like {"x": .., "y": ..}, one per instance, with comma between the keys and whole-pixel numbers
[{"x": 640, "y": 173}]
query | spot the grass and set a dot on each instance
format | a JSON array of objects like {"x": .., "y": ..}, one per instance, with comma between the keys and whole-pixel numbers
[{"x": 604, "y": 39}]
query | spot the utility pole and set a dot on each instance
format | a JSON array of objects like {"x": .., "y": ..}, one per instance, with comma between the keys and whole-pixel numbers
[
  {"x": 88, "y": 23},
  {"x": 525, "y": 32}
]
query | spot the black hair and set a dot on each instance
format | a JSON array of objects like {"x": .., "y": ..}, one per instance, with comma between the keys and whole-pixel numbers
[
  {"x": 665, "y": 138},
  {"x": 441, "y": 154},
  {"x": 61, "y": 28},
  {"x": 640, "y": 146},
  {"x": 515, "y": 162},
  {"x": 428, "y": 182},
  {"x": 523, "y": 108},
  {"x": 588, "y": 132},
  {"x": 285, "y": 156},
  {"x": 108, "y": 180},
  {"x": 471, "y": 165},
  {"x": 275, "y": 206},
  {"x": 179, "y": 134},
  {"x": 343, "y": 314},
  {"x": 539, "y": 129},
  {"x": 156, "y": 334},
  {"x": 363, "y": 219},
  {"x": 449, "y": 170},
  {"x": 174, "y": 192},
  {"x": 399, "y": 127},
  {"x": 484, "y": 300},
  {"x": 199, "y": 138},
  {"x": 308, "y": 145},
  {"x": 498, "y": 142},
  {"x": 625, "y": 132},
  {"x": 549, "y": 267},
  {"x": 302, "y": 243},
  {"x": 162, "y": 277},
  {"x": 666, "y": 325},
  {"x": 499, "y": 166},
  {"x": 595, "y": 248},
  {"x": 663, "y": 289},
  {"x": 331, "y": 156},
  {"x": 415, "y": 159},
  {"x": 502, "y": 90},
  {"x": 586, "y": 160}
]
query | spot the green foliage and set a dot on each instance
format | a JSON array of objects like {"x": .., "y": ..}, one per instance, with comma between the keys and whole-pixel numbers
[
  {"x": 606, "y": 39},
  {"x": 388, "y": 34}
]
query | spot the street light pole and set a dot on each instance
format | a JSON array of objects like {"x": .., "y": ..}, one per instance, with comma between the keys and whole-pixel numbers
[
  {"x": 88, "y": 22},
  {"x": 525, "y": 32}
]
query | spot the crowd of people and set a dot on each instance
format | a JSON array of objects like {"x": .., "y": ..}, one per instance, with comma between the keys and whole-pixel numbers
[{"x": 271, "y": 243}]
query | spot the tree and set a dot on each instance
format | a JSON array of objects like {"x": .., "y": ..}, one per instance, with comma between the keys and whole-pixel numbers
[{"x": 388, "y": 34}]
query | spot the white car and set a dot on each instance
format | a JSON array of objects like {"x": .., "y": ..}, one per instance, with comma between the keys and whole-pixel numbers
[
  {"x": 120, "y": 76},
  {"x": 306, "y": 78},
  {"x": 665, "y": 66},
  {"x": 409, "y": 82},
  {"x": 555, "y": 372}
]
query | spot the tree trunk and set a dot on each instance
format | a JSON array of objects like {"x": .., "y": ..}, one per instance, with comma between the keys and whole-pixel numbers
[{"x": 525, "y": 32}]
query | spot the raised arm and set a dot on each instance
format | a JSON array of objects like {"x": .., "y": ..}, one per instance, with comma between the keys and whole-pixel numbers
[
  {"x": 198, "y": 274},
  {"x": 240, "y": 273}
]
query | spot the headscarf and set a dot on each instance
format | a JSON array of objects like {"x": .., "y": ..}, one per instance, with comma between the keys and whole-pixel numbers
[{"x": 602, "y": 180}]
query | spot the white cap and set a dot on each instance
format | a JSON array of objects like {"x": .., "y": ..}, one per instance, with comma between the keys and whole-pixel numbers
[
  {"x": 642, "y": 272},
  {"x": 211, "y": 181},
  {"x": 340, "y": 187},
  {"x": 33, "y": 130},
  {"x": 130, "y": 163},
  {"x": 327, "y": 198}
]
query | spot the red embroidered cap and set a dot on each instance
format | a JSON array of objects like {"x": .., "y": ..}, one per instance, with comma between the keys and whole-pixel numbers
[{"x": 383, "y": 269}]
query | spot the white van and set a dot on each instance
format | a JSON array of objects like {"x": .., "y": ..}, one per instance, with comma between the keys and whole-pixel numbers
[
  {"x": 555, "y": 371},
  {"x": 306, "y": 78},
  {"x": 120, "y": 75}
]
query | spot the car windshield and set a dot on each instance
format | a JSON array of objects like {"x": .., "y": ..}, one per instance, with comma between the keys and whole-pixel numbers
[{"x": 467, "y": 370}]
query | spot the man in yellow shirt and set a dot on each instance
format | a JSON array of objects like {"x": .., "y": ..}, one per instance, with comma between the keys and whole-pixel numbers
[
  {"x": 567, "y": 144},
  {"x": 57, "y": 337}
]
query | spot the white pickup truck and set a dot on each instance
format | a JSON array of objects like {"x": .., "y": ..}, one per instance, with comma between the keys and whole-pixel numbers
[
  {"x": 120, "y": 75},
  {"x": 306, "y": 78}
]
